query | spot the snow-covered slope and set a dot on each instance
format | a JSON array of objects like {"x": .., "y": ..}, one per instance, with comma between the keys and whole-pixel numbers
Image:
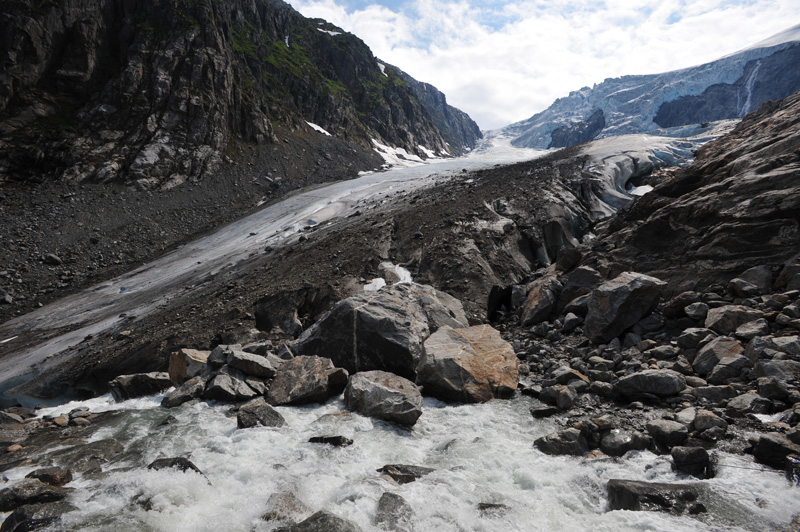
[{"x": 663, "y": 103}]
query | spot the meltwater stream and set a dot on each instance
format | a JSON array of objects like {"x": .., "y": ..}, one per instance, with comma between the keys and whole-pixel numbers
[{"x": 480, "y": 453}]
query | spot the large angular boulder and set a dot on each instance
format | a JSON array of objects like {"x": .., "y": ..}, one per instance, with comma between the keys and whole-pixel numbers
[
  {"x": 138, "y": 385},
  {"x": 655, "y": 496},
  {"x": 568, "y": 441},
  {"x": 541, "y": 301},
  {"x": 185, "y": 364},
  {"x": 729, "y": 367},
  {"x": 189, "y": 390},
  {"x": 726, "y": 319},
  {"x": 255, "y": 365},
  {"x": 617, "y": 305},
  {"x": 714, "y": 351},
  {"x": 772, "y": 449},
  {"x": 782, "y": 370},
  {"x": 381, "y": 330},
  {"x": 667, "y": 433},
  {"x": 37, "y": 517},
  {"x": 580, "y": 282},
  {"x": 229, "y": 385},
  {"x": 306, "y": 379},
  {"x": 393, "y": 512},
  {"x": 258, "y": 413},
  {"x": 384, "y": 395},
  {"x": 470, "y": 365},
  {"x": 660, "y": 382},
  {"x": 29, "y": 491}
]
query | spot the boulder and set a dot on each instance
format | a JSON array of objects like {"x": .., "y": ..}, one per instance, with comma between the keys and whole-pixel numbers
[
  {"x": 284, "y": 507},
  {"x": 667, "y": 433},
  {"x": 787, "y": 344},
  {"x": 760, "y": 347},
  {"x": 541, "y": 301},
  {"x": 36, "y": 517},
  {"x": 727, "y": 318},
  {"x": 229, "y": 385},
  {"x": 655, "y": 496},
  {"x": 322, "y": 522},
  {"x": 714, "y": 351},
  {"x": 255, "y": 365},
  {"x": 393, "y": 512},
  {"x": 54, "y": 476},
  {"x": 403, "y": 474},
  {"x": 189, "y": 390},
  {"x": 580, "y": 282},
  {"x": 180, "y": 463},
  {"x": 751, "y": 329},
  {"x": 714, "y": 394},
  {"x": 185, "y": 364},
  {"x": 749, "y": 403},
  {"x": 759, "y": 279},
  {"x": 29, "y": 491},
  {"x": 693, "y": 461},
  {"x": 617, "y": 442},
  {"x": 139, "y": 385},
  {"x": 696, "y": 311},
  {"x": 660, "y": 382},
  {"x": 772, "y": 449},
  {"x": 729, "y": 367},
  {"x": 384, "y": 395},
  {"x": 381, "y": 330},
  {"x": 706, "y": 419},
  {"x": 306, "y": 379},
  {"x": 469, "y": 365},
  {"x": 695, "y": 337},
  {"x": 335, "y": 441},
  {"x": 782, "y": 370},
  {"x": 258, "y": 412},
  {"x": 568, "y": 441},
  {"x": 617, "y": 305}
]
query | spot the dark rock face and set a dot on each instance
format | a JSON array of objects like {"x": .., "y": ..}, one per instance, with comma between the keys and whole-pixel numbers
[
  {"x": 762, "y": 80},
  {"x": 583, "y": 131},
  {"x": 735, "y": 208},
  {"x": 152, "y": 92},
  {"x": 381, "y": 330}
]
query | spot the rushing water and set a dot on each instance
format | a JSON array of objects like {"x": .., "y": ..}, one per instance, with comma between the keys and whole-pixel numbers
[{"x": 481, "y": 454}]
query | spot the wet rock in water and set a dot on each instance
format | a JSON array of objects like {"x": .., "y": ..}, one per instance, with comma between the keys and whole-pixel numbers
[
  {"x": 470, "y": 365},
  {"x": 179, "y": 463},
  {"x": 306, "y": 379},
  {"x": 87, "y": 457},
  {"x": 229, "y": 385},
  {"x": 403, "y": 474},
  {"x": 381, "y": 330},
  {"x": 667, "y": 434},
  {"x": 655, "y": 496},
  {"x": 139, "y": 385},
  {"x": 617, "y": 305},
  {"x": 54, "y": 476},
  {"x": 383, "y": 395},
  {"x": 185, "y": 364},
  {"x": 283, "y": 507},
  {"x": 29, "y": 491},
  {"x": 660, "y": 382},
  {"x": 617, "y": 442},
  {"x": 694, "y": 461},
  {"x": 541, "y": 301},
  {"x": 322, "y": 522},
  {"x": 543, "y": 411},
  {"x": 256, "y": 413},
  {"x": 493, "y": 508},
  {"x": 726, "y": 319},
  {"x": 393, "y": 512},
  {"x": 189, "y": 390},
  {"x": 336, "y": 441},
  {"x": 772, "y": 449},
  {"x": 35, "y": 516},
  {"x": 568, "y": 441}
]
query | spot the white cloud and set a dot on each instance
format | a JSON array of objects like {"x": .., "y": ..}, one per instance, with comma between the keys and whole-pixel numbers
[{"x": 502, "y": 61}]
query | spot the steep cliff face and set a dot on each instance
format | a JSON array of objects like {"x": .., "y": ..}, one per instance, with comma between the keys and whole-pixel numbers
[
  {"x": 153, "y": 92},
  {"x": 727, "y": 88}
]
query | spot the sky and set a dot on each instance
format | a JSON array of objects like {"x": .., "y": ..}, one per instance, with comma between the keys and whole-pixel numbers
[{"x": 502, "y": 61}]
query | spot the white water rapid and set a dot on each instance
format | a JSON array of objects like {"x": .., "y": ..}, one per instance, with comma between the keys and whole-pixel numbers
[{"x": 480, "y": 453}]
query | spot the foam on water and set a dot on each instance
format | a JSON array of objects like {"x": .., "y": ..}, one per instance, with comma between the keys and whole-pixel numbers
[{"x": 480, "y": 453}]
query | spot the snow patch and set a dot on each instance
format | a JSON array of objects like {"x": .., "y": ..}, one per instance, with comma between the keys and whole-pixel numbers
[
  {"x": 640, "y": 191},
  {"x": 318, "y": 128},
  {"x": 286, "y": 40},
  {"x": 396, "y": 156},
  {"x": 429, "y": 153},
  {"x": 331, "y": 33},
  {"x": 375, "y": 284},
  {"x": 383, "y": 69}
]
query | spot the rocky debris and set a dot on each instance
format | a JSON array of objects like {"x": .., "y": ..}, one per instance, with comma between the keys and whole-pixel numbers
[
  {"x": 188, "y": 391},
  {"x": 35, "y": 516},
  {"x": 617, "y": 305},
  {"x": 29, "y": 491},
  {"x": 54, "y": 476},
  {"x": 385, "y": 396},
  {"x": 181, "y": 464},
  {"x": 322, "y": 522},
  {"x": 393, "y": 512},
  {"x": 655, "y": 496},
  {"x": 127, "y": 387},
  {"x": 283, "y": 507},
  {"x": 258, "y": 412},
  {"x": 335, "y": 441},
  {"x": 693, "y": 461},
  {"x": 403, "y": 474},
  {"x": 185, "y": 364},
  {"x": 306, "y": 379},
  {"x": 568, "y": 441},
  {"x": 470, "y": 365},
  {"x": 382, "y": 330}
]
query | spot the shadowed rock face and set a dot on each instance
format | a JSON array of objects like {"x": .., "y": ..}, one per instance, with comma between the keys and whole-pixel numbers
[
  {"x": 736, "y": 207},
  {"x": 152, "y": 92}
]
